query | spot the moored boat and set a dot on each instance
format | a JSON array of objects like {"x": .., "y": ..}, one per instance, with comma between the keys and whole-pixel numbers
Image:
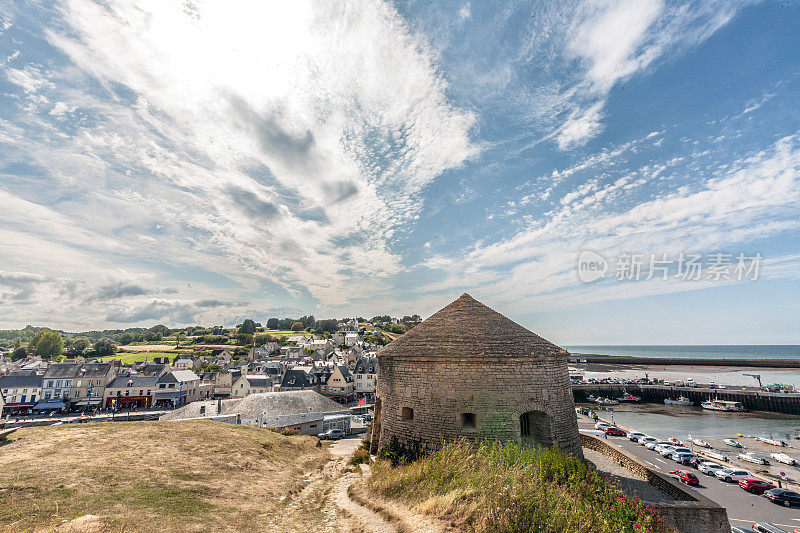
[
  {"x": 682, "y": 400},
  {"x": 753, "y": 458},
  {"x": 701, "y": 443},
  {"x": 734, "y": 443},
  {"x": 606, "y": 401},
  {"x": 783, "y": 458},
  {"x": 722, "y": 405},
  {"x": 774, "y": 442},
  {"x": 627, "y": 397}
]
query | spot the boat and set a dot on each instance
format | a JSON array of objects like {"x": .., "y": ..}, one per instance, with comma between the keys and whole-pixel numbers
[
  {"x": 783, "y": 458},
  {"x": 682, "y": 400},
  {"x": 717, "y": 456},
  {"x": 700, "y": 442},
  {"x": 722, "y": 405},
  {"x": 734, "y": 443},
  {"x": 591, "y": 398},
  {"x": 753, "y": 458},
  {"x": 676, "y": 442},
  {"x": 627, "y": 397},
  {"x": 774, "y": 442},
  {"x": 606, "y": 401}
]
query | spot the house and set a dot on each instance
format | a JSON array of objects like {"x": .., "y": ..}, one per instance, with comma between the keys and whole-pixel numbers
[
  {"x": 365, "y": 374},
  {"x": 251, "y": 384},
  {"x": 153, "y": 369},
  {"x": 58, "y": 381},
  {"x": 351, "y": 339},
  {"x": 125, "y": 392},
  {"x": 176, "y": 388},
  {"x": 298, "y": 378},
  {"x": 339, "y": 385},
  {"x": 325, "y": 345},
  {"x": 292, "y": 351},
  {"x": 299, "y": 340},
  {"x": 20, "y": 392},
  {"x": 90, "y": 383},
  {"x": 183, "y": 363}
]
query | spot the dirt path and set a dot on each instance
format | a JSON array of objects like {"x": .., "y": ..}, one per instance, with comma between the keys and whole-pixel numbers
[{"x": 364, "y": 511}]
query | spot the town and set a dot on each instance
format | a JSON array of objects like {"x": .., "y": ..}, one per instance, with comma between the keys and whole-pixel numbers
[{"x": 339, "y": 365}]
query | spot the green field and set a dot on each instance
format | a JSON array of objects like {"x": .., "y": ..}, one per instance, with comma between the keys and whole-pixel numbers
[{"x": 137, "y": 357}]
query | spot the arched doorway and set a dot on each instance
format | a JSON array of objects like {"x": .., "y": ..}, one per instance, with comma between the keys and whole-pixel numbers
[{"x": 535, "y": 429}]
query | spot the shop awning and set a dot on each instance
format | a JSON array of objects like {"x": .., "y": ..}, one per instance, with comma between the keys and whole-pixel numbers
[
  {"x": 49, "y": 405},
  {"x": 92, "y": 401}
]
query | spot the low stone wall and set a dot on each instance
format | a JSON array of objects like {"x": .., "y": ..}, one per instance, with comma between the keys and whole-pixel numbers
[{"x": 689, "y": 512}]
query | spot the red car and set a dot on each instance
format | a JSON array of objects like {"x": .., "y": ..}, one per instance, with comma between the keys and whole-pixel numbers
[
  {"x": 756, "y": 486},
  {"x": 614, "y": 432},
  {"x": 685, "y": 477}
]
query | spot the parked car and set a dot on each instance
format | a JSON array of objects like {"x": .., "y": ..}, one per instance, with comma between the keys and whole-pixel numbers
[
  {"x": 691, "y": 383},
  {"x": 665, "y": 450},
  {"x": 682, "y": 449},
  {"x": 709, "y": 468},
  {"x": 332, "y": 434},
  {"x": 614, "y": 431},
  {"x": 685, "y": 477},
  {"x": 644, "y": 441},
  {"x": 742, "y": 529},
  {"x": 732, "y": 474},
  {"x": 712, "y": 385},
  {"x": 764, "y": 527},
  {"x": 634, "y": 436},
  {"x": 783, "y": 497},
  {"x": 601, "y": 425},
  {"x": 756, "y": 486},
  {"x": 686, "y": 459},
  {"x": 654, "y": 445}
]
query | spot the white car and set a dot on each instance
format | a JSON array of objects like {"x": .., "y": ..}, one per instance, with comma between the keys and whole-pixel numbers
[
  {"x": 682, "y": 449},
  {"x": 683, "y": 458},
  {"x": 665, "y": 450},
  {"x": 732, "y": 474},
  {"x": 644, "y": 441},
  {"x": 634, "y": 436},
  {"x": 709, "y": 468},
  {"x": 601, "y": 425},
  {"x": 654, "y": 445}
]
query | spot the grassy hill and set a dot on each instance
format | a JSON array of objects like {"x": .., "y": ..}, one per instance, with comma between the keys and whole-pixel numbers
[
  {"x": 505, "y": 488},
  {"x": 160, "y": 476}
]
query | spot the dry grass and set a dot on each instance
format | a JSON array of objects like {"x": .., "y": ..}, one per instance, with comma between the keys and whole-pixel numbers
[
  {"x": 160, "y": 476},
  {"x": 506, "y": 488}
]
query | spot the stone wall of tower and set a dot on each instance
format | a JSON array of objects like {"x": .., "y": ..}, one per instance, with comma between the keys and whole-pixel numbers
[{"x": 496, "y": 391}]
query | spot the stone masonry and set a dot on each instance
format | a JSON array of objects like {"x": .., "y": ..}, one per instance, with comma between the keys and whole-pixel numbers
[{"x": 469, "y": 372}]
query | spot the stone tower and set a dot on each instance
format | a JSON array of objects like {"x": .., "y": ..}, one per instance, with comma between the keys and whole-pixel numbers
[{"x": 468, "y": 371}]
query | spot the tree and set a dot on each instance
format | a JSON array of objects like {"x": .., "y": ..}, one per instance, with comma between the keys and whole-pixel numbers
[
  {"x": 104, "y": 347},
  {"x": 262, "y": 338},
  {"x": 76, "y": 347},
  {"x": 297, "y": 326},
  {"x": 329, "y": 325},
  {"x": 248, "y": 327},
  {"x": 17, "y": 343},
  {"x": 273, "y": 323},
  {"x": 162, "y": 330},
  {"x": 47, "y": 344},
  {"x": 18, "y": 354}
]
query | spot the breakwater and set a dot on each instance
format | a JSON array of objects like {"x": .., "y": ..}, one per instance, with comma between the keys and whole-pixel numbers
[
  {"x": 634, "y": 360},
  {"x": 753, "y": 400}
]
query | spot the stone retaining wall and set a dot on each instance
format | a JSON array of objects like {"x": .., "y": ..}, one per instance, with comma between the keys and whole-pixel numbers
[{"x": 689, "y": 512}]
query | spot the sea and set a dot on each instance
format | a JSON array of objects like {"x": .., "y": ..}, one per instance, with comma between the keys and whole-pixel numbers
[{"x": 708, "y": 351}]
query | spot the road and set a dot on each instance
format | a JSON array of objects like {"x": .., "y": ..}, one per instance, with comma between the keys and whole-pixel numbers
[{"x": 743, "y": 508}]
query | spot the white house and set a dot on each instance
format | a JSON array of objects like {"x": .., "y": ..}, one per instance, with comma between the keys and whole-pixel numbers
[
  {"x": 365, "y": 373},
  {"x": 251, "y": 384}
]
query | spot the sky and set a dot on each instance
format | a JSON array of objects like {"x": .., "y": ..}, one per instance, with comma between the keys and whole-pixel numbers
[{"x": 205, "y": 162}]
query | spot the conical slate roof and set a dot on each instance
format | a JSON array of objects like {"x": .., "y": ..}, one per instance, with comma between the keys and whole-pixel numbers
[{"x": 467, "y": 329}]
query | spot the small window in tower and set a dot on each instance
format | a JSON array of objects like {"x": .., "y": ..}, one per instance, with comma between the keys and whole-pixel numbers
[
  {"x": 407, "y": 414},
  {"x": 467, "y": 420}
]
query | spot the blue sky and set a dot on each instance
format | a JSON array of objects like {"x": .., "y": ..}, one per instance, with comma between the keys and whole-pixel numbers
[{"x": 203, "y": 163}]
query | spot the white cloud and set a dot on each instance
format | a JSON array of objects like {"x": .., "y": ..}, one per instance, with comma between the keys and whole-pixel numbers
[{"x": 579, "y": 129}]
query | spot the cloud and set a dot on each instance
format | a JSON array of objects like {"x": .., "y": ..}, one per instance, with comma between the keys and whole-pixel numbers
[
  {"x": 120, "y": 289},
  {"x": 212, "y": 303},
  {"x": 166, "y": 310},
  {"x": 578, "y": 129}
]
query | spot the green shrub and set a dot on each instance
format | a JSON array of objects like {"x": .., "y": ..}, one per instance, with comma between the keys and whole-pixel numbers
[{"x": 504, "y": 488}]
